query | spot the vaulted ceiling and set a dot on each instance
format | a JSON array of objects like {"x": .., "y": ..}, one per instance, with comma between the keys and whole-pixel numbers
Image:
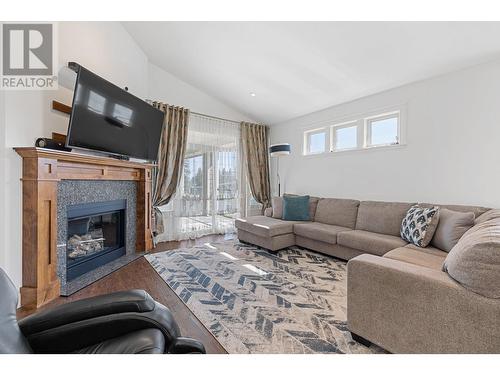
[{"x": 295, "y": 68}]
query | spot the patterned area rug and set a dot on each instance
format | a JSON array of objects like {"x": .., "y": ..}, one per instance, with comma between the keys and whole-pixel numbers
[{"x": 255, "y": 301}]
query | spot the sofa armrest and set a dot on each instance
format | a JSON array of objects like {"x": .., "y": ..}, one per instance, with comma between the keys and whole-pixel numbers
[{"x": 406, "y": 308}]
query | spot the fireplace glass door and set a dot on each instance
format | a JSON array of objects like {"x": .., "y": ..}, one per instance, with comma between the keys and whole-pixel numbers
[{"x": 93, "y": 238}]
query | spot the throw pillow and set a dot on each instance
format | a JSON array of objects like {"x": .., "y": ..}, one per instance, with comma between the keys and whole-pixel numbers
[
  {"x": 296, "y": 208},
  {"x": 277, "y": 203},
  {"x": 474, "y": 262},
  {"x": 419, "y": 225},
  {"x": 452, "y": 226},
  {"x": 313, "y": 204}
]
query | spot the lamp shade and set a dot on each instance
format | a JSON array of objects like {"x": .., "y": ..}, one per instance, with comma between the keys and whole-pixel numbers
[{"x": 280, "y": 149}]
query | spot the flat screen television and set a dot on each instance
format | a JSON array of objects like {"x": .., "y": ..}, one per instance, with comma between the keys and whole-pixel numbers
[{"x": 108, "y": 119}]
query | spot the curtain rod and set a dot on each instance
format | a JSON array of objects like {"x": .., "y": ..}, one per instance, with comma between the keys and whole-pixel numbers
[
  {"x": 214, "y": 117},
  {"x": 203, "y": 115}
]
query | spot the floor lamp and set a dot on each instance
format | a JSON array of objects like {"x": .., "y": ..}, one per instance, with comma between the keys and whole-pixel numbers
[{"x": 278, "y": 150}]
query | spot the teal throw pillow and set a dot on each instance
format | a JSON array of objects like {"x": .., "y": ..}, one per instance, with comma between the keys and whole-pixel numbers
[{"x": 296, "y": 208}]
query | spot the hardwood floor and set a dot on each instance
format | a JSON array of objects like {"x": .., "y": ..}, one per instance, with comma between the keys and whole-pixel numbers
[{"x": 140, "y": 275}]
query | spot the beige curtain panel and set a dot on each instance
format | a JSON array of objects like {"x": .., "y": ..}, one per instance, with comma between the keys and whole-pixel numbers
[
  {"x": 255, "y": 141},
  {"x": 168, "y": 173}
]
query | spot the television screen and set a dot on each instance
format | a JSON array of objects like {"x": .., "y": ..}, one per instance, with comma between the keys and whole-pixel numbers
[{"x": 107, "y": 118}]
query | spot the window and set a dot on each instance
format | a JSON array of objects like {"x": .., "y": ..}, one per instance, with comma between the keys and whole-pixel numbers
[
  {"x": 193, "y": 176},
  {"x": 315, "y": 141},
  {"x": 96, "y": 102},
  {"x": 122, "y": 114},
  {"x": 382, "y": 130},
  {"x": 369, "y": 131},
  {"x": 345, "y": 137},
  {"x": 253, "y": 207},
  {"x": 211, "y": 192}
]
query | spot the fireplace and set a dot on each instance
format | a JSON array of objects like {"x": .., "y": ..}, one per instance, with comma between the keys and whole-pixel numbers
[
  {"x": 95, "y": 235},
  {"x": 52, "y": 181}
]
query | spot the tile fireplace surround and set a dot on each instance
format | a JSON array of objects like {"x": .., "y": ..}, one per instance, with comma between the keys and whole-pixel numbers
[
  {"x": 50, "y": 180},
  {"x": 70, "y": 192}
]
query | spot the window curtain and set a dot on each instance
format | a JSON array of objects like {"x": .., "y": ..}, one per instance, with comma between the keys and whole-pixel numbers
[
  {"x": 209, "y": 196},
  {"x": 168, "y": 172},
  {"x": 255, "y": 141}
]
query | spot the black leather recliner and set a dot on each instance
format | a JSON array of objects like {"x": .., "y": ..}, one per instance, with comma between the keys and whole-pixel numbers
[{"x": 128, "y": 322}]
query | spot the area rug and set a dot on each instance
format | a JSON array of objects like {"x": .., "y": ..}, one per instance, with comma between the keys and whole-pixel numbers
[{"x": 255, "y": 301}]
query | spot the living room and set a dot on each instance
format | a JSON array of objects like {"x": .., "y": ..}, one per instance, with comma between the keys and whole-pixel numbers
[{"x": 251, "y": 187}]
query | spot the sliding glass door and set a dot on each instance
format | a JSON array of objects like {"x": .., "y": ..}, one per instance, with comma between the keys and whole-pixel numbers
[
  {"x": 194, "y": 186},
  {"x": 209, "y": 196}
]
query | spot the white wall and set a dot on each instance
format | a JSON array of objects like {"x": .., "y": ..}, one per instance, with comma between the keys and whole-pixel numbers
[
  {"x": 452, "y": 153},
  {"x": 107, "y": 49},
  {"x": 3, "y": 178},
  {"x": 167, "y": 88}
]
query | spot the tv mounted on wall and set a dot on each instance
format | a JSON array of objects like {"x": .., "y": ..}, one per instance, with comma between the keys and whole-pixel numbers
[{"x": 108, "y": 119}]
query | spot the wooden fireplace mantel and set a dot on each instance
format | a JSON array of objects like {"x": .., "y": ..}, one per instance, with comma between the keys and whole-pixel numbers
[{"x": 42, "y": 170}]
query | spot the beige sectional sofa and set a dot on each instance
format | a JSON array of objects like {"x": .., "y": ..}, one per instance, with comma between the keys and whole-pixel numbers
[
  {"x": 343, "y": 228},
  {"x": 399, "y": 297}
]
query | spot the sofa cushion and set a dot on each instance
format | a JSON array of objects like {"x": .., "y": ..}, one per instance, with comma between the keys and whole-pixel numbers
[
  {"x": 319, "y": 231},
  {"x": 474, "y": 261},
  {"x": 428, "y": 257},
  {"x": 381, "y": 217},
  {"x": 313, "y": 206},
  {"x": 488, "y": 215},
  {"x": 277, "y": 203},
  {"x": 451, "y": 227},
  {"x": 342, "y": 212},
  {"x": 419, "y": 225},
  {"x": 477, "y": 210},
  {"x": 264, "y": 226},
  {"x": 296, "y": 208},
  {"x": 374, "y": 243}
]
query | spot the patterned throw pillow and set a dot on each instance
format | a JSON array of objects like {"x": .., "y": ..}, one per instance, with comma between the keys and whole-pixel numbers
[{"x": 419, "y": 225}]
